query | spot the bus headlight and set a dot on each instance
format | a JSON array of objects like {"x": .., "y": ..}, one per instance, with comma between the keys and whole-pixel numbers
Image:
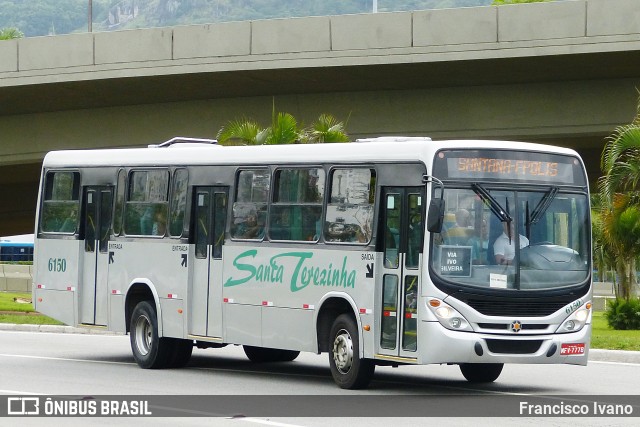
[
  {"x": 576, "y": 320},
  {"x": 448, "y": 316}
]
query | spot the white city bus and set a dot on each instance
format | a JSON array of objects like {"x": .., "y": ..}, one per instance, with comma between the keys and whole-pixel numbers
[{"x": 351, "y": 249}]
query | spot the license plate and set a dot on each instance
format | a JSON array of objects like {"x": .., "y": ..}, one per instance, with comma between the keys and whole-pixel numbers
[{"x": 570, "y": 349}]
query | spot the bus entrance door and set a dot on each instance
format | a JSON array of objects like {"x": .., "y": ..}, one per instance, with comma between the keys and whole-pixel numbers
[
  {"x": 205, "y": 304},
  {"x": 93, "y": 290},
  {"x": 402, "y": 213}
]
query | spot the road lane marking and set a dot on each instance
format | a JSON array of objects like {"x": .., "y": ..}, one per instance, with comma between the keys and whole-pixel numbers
[
  {"x": 64, "y": 359},
  {"x": 265, "y": 422},
  {"x": 20, "y": 392},
  {"x": 604, "y": 362}
]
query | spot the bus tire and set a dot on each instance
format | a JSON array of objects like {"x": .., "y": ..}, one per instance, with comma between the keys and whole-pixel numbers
[
  {"x": 264, "y": 355},
  {"x": 180, "y": 352},
  {"x": 349, "y": 371},
  {"x": 481, "y": 372},
  {"x": 149, "y": 350}
]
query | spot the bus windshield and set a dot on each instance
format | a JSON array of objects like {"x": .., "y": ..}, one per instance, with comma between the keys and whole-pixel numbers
[{"x": 523, "y": 239}]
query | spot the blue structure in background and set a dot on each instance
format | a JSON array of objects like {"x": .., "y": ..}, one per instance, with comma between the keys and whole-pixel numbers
[{"x": 16, "y": 248}]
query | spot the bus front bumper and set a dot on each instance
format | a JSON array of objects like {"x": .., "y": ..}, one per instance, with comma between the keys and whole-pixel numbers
[{"x": 441, "y": 345}]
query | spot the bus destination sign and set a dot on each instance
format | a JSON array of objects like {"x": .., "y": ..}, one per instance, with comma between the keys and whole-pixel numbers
[{"x": 491, "y": 166}]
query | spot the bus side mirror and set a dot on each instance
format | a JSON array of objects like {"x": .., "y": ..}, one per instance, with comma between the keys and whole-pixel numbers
[{"x": 435, "y": 216}]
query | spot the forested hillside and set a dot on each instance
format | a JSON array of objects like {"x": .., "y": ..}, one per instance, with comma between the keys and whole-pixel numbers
[{"x": 44, "y": 17}]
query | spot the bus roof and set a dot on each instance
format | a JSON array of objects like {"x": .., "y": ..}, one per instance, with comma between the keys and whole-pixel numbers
[{"x": 193, "y": 153}]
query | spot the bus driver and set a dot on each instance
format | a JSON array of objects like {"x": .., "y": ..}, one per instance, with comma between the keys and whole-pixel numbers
[{"x": 504, "y": 246}]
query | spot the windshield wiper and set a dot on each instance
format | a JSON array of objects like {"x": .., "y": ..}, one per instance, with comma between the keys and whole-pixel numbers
[
  {"x": 494, "y": 205},
  {"x": 542, "y": 206}
]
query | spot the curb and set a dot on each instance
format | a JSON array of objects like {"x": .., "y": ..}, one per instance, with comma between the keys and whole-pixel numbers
[
  {"x": 595, "y": 355},
  {"x": 620, "y": 356}
]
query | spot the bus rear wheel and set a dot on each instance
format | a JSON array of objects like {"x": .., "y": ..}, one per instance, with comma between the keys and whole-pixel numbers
[
  {"x": 481, "y": 372},
  {"x": 149, "y": 350},
  {"x": 349, "y": 371},
  {"x": 263, "y": 355}
]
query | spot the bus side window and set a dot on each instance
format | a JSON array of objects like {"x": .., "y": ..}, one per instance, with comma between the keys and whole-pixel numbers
[
  {"x": 350, "y": 207},
  {"x": 119, "y": 206},
  {"x": 61, "y": 202},
  {"x": 178, "y": 202},
  {"x": 147, "y": 203},
  {"x": 296, "y": 210},
  {"x": 250, "y": 206}
]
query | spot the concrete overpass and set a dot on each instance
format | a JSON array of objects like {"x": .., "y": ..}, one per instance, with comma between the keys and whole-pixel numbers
[{"x": 564, "y": 73}]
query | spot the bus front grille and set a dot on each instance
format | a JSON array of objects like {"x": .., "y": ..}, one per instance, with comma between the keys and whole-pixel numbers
[
  {"x": 513, "y": 346},
  {"x": 516, "y": 307}
]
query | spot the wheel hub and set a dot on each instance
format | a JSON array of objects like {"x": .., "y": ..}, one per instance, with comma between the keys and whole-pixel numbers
[
  {"x": 343, "y": 351},
  {"x": 144, "y": 335}
]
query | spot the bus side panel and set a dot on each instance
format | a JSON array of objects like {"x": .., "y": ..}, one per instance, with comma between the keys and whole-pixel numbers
[
  {"x": 173, "y": 321},
  {"x": 56, "y": 269},
  {"x": 116, "y": 313},
  {"x": 289, "y": 283},
  {"x": 159, "y": 264},
  {"x": 59, "y": 305},
  {"x": 243, "y": 324},
  {"x": 289, "y": 329}
]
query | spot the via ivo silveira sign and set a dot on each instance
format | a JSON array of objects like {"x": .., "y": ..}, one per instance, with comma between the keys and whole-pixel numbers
[{"x": 295, "y": 269}]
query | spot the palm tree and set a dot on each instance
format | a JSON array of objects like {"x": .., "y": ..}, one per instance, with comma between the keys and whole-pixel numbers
[
  {"x": 326, "y": 129},
  {"x": 603, "y": 253},
  {"x": 10, "y": 33},
  {"x": 284, "y": 129},
  {"x": 620, "y": 193}
]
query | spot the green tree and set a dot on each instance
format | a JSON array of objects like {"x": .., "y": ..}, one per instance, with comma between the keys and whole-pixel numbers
[
  {"x": 620, "y": 196},
  {"x": 10, "y": 33}
]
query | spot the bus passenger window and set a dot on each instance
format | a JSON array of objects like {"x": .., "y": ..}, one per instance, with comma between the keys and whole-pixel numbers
[
  {"x": 296, "y": 212},
  {"x": 250, "y": 206},
  {"x": 61, "y": 203},
  {"x": 117, "y": 212},
  {"x": 178, "y": 201},
  {"x": 350, "y": 207},
  {"x": 249, "y": 226},
  {"x": 147, "y": 201}
]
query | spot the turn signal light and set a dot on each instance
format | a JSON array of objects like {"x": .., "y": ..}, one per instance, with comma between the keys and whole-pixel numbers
[{"x": 434, "y": 303}]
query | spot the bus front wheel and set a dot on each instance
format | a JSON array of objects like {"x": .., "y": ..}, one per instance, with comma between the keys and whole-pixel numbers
[
  {"x": 347, "y": 368},
  {"x": 481, "y": 372},
  {"x": 149, "y": 350}
]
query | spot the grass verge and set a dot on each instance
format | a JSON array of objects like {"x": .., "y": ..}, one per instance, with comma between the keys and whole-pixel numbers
[
  {"x": 7, "y": 302},
  {"x": 22, "y": 319},
  {"x": 21, "y": 313},
  {"x": 602, "y": 336}
]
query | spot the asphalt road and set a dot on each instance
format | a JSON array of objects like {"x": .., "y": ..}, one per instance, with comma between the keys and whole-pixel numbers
[{"x": 54, "y": 364}]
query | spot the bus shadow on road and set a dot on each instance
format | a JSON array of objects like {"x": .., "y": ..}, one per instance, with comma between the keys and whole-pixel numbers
[{"x": 386, "y": 380}]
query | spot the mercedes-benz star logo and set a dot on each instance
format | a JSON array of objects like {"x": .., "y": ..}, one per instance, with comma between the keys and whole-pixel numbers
[{"x": 516, "y": 326}]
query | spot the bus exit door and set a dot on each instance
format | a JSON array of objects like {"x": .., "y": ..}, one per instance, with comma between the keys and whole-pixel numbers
[
  {"x": 403, "y": 222},
  {"x": 93, "y": 290},
  {"x": 209, "y": 221}
]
